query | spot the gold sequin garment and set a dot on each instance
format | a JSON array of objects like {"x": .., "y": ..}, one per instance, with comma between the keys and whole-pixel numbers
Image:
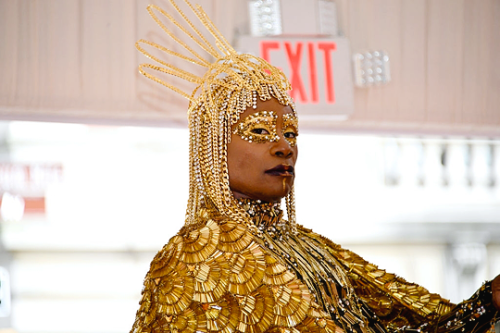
[{"x": 216, "y": 276}]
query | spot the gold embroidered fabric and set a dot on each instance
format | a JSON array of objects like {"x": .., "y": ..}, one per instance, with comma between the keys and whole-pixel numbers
[{"x": 219, "y": 277}]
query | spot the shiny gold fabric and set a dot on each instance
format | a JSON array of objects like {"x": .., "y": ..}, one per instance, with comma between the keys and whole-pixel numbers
[{"x": 219, "y": 277}]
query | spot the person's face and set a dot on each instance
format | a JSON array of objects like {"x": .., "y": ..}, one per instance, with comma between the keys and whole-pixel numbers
[{"x": 263, "y": 151}]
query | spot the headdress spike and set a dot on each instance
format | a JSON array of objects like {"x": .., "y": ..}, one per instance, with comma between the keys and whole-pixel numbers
[
  {"x": 168, "y": 51},
  {"x": 172, "y": 35},
  {"x": 214, "y": 52},
  {"x": 166, "y": 84},
  {"x": 222, "y": 43}
]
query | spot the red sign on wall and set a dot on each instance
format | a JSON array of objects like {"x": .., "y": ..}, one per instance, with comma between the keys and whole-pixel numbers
[
  {"x": 294, "y": 57},
  {"x": 319, "y": 71}
]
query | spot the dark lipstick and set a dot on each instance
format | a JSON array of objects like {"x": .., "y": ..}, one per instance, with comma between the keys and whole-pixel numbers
[{"x": 281, "y": 170}]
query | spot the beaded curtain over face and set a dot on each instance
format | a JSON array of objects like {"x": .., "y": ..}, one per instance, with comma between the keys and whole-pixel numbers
[{"x": 231, "y": 84}]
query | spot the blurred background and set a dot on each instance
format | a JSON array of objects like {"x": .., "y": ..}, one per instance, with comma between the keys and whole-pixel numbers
[{"x": 399, "y": 144}]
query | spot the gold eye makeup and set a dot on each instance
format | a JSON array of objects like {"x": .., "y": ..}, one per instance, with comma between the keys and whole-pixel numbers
[
  {"x": 258, "y": 127},
  {"x": 290, "y": 128}
]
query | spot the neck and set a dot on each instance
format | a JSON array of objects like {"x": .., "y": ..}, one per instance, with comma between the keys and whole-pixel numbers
[
  {"x": 241, "y": 196},
  {"x": 253, "y": 206},
  {"x": 263, "y": 214}
]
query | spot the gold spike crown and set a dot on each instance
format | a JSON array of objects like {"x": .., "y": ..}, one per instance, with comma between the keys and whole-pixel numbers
[{"x": 232, "y": 83}]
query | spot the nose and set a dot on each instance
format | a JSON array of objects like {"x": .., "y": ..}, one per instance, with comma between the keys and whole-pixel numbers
[{"x": 282, "y": 148}]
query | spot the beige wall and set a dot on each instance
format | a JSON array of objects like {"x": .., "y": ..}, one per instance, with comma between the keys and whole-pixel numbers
[{"x": 69, "y": 60}]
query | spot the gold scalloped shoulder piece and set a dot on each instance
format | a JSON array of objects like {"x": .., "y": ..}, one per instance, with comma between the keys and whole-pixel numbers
[
  {"x": 221, "y": 316},
  {"x": 200, "y": 243},
  {"x": 167, "y": 258},
  {"x": 173, "y": 293},
  {"x": 256, "y": 311},
  {"x": 234, "y": 236},
  {"x": 292, "y": 302},
  {"x": 247, "y": 269},
  {"x": 276, "y": 273},
  {"x": 164, "y": 297},
  {"x": 211, "y": 278}
]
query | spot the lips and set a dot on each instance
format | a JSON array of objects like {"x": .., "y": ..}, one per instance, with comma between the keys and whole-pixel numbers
[{"x": 281, "y": 170}]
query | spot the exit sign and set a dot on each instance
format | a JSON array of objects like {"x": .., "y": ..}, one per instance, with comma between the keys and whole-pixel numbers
[{"x": 319, "y": 70}]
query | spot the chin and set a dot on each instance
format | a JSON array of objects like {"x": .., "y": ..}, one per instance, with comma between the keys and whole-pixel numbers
[{"x": 276, "y": 196}]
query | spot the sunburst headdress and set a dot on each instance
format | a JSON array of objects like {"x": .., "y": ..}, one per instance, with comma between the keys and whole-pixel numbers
[{"x": 232, "y": 83}]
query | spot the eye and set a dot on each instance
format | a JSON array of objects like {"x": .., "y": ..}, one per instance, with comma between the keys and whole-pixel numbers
[
  {"x": 290, "y": 135},
  {"x": 258, "y": 127},
  {"x": 260, "y": 131}
]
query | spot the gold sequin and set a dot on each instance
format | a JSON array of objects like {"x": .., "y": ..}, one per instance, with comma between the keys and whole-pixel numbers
[
  {"x": 276, "y": 273},
  {"x": 284, "y": 330},
  {"x": 200, "y": 243},
  {"x": 246, "y": 270},
  {"x": 184, "y": 322},
  {"x": 292, "y": 302},
  {"x": 234, "y": 237},
  {"x": 256, "y": 311},
  {"x": 166, "y": 259},
  {"x": 319, "y": 325},
  {"x": 211, "y": 279},
  {"x": 175, "y": 292},
  {"x": 221, "y": 316}
]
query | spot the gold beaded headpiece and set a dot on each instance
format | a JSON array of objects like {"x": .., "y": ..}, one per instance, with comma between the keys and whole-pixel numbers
[{"x": 232, "y": 83}]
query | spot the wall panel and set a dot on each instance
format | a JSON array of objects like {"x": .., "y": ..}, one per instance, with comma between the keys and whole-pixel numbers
[{"x": 70, "y": 60}]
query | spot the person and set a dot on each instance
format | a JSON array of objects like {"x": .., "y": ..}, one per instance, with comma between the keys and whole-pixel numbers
[{"x": 238, "y": 265}]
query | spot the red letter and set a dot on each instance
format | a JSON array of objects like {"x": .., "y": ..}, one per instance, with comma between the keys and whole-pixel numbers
[
  {"x": 265, "y": 47},
  {"x": 294, "y": 63},
  {"x": 326, "y": 48},
  {"x": 313, "y": 76}
]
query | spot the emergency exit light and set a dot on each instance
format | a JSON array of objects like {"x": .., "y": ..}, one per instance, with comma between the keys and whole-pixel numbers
[
  {"x": 371, "y": 68},
  {"x": 319, "y": 70}
]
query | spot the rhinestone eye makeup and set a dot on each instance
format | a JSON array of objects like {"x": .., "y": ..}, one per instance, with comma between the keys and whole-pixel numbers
[
  {"x": 291, "y": 128},
  {"x": 258, "y": 127}
]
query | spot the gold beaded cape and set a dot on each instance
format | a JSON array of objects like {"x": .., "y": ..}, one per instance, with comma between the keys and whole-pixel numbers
[
  {"x": 217, "y": 276},
  {"x": 241, "y": 266}
]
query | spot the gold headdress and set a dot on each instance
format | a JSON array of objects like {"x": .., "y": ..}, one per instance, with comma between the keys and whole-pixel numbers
[{"x": 231, "y": 84}]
